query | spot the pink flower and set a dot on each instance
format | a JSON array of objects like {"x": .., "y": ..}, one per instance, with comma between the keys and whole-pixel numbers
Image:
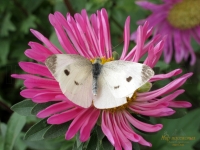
[
  {"x": 180, "y": 21},
  {"x": 91, "y": 38}
]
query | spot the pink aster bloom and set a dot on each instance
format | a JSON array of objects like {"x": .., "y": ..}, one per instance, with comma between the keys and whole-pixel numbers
[
  {"x": 180, "y": 21},
  {"x": 91, "y": 38}
]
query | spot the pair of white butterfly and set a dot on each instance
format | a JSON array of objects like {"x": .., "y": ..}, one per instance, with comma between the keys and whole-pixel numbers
[{"x": 103, "y": 85}]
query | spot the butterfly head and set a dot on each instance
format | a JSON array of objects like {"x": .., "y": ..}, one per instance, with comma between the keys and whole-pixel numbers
[
  {"x": 100, "y": 60},
  {"x": 97, "y": 61}
]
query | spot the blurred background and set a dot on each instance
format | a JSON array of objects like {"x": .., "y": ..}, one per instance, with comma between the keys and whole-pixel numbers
[{"x": 17, "y": 17}]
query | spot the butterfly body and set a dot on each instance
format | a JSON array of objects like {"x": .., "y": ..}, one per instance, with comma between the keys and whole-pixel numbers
[
  {"x": 103, "y": 85},
  {"x": 96, "y": 70}
]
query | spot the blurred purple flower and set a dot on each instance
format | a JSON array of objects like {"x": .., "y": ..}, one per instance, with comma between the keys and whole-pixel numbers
[{"x": 180, "y": 21}]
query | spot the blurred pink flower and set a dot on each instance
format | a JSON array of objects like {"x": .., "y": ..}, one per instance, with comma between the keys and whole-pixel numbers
[
  {"x": 180, "y": 21},
  {"x": 91, "y": 38}
]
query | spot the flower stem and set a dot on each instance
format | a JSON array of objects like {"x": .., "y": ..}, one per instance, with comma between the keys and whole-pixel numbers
[
  {"x": 7, "y": 108},
  {"x": 69, "y": 7}
]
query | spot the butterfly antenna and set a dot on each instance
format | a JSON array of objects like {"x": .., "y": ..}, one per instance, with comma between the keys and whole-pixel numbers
[{"x": 117, "y": 45}]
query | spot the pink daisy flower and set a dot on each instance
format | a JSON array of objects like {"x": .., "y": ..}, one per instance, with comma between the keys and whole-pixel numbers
[
  {"x": 91, "y": 38},
  {"x": 180, "y": 21}
]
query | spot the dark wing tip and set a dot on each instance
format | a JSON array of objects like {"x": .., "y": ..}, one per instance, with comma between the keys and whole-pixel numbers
[
  {"x": 147, "y": 73},
  {"x": 51, "y": 62}
]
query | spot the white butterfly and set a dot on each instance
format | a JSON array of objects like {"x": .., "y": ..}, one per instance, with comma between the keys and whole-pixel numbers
[{"x": 105, "y": 85}]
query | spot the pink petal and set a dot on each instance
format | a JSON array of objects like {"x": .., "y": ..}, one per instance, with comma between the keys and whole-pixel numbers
[
  {"x": 147, "y": 5},
  {"x": 78, "y": 122},
  {"x": 126, "y": 144},
  {"x": 186, "y": 41},
  {"x": 179, "y": 52},
  {"x": 24, "y": 76},
  {"x": 166, "y": 76},
  {"x": 41, "y": 57},
  {"x": 155, "y": 112},
  {"x": 62, "y": 37},
  {"x": 180, "y": 104},
  {"x": 34, "y": 68},
  {"x": 166, "y": 89},
  {"x": 139, "y": 45},
  {"x": 88, "y": 125},
  {"x": 38, "y": 52},
  {"x": 64, "y": 116},
  {"x": 106, "y": 32},
  {"x": 126, "y": 38},
  {"x": 42, "y": 83},
  {"x": 130, "y": 134},
  {"x": 129, "y": 129},
  {"x": 53, "y": 109},
  {"x": 105, "y": 129},
  {"x": 29, "y": 93},
  {"x": 141, "y": 125},
  {"x": 46, "y": 42},
  {"x": 45, "y": 97}
]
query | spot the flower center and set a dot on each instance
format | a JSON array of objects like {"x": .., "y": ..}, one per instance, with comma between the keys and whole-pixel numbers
[
  {"x": 103, "y": 60},
  {"x": 185, "y": 14},
  {"x": 122, "y": 107}
]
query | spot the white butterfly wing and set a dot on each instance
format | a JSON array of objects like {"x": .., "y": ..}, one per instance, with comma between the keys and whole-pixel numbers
[
  {"x": 120, "y": 79},
  {"x": 125, "y": 77},
  {"x": 104, "y": 98},
  {"x": 74, "y": 74}
]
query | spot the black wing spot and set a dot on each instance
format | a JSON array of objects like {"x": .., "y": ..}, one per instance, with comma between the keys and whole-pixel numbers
[
  {"x": 116, "y": 87},
  {"x": 76, "y": 82},
  {"x": 129, "y": 79},
  {"x": 66, "y": 72}
]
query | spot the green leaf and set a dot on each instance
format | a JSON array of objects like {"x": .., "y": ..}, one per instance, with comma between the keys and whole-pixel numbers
[
  {"x": 92, "y": 145},
  {"x": 38, "y": 107},
  {"x": 106, "y": 144},
  {"x": 37, "y": 131},
  {"x": 67, "y": 145},
  {"x": 60, "y": 6},
  {"x": 145, "y": 88},
  {"x": 56, "y": 130},
  {"x": 100, "y": 134},
  {"x": 31, "y": 5},
  {"x": 5, "y": 47},
  {"x": 136, "y": 146},
  {"x": 24, "y": 107},
  {"x": 115, "y": 55},
  {"x": 186, "y": 127},
  {"x": 77, "y": 144},
  {"x": 19, "y": 144},
  {"x": 27, "y": 24},
  {"x": 178, "y": 114},
  {"x": 3, "y": 128},
  {"x": 197, "y": 145},
  {"x": 7, "y": 25},
  {"x": 46, "y": 144},
  {"x": 15, "y": 125}
]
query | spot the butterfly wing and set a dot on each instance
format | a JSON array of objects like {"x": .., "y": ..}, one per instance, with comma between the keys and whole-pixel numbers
[
  {"x": 120, "y": 80},
  {"x": 74, "y": 74},
  {"x": 104, "y": 98}
]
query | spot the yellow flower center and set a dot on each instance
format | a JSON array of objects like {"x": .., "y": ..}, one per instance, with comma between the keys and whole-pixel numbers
[
  {"x": 185, "y": 14},
  {"x": 103, "y": 60},
  {"x": 123, "y": 107}
]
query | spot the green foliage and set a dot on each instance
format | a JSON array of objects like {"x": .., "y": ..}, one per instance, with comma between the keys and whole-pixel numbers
[
  {"x": 14, "y": 127},
  {"x": 37, "y": 131},
  {"x": 187, "y": 126},
  {"x": 56, "y": 130},
  {"x": 24, "y": 107}
]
